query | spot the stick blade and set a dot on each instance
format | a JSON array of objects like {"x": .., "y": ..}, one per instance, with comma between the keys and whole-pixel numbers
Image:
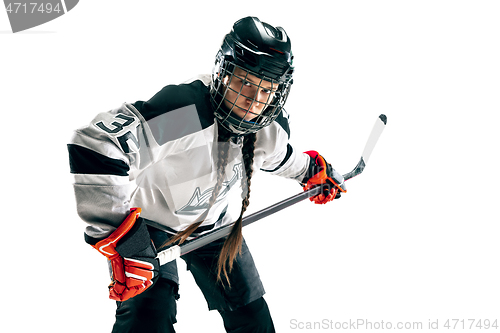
[
  {"x": 377, "y": 130},
  {"x": 383, "y": 117}
]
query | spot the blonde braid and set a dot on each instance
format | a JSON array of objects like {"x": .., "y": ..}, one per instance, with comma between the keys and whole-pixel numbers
[{"x": 233, "y": 243}]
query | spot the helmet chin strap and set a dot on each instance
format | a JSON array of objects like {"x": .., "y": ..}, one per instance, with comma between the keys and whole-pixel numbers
[
  {"x": 233, "y": 129},
  {"x": 238, "y": 118}
]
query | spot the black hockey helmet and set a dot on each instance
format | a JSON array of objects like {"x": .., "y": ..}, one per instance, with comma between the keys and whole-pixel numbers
[{"x": 260, "y": 50}]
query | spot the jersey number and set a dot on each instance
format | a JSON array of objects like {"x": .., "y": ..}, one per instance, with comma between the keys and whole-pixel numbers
[{"x": 117, "y": 128}]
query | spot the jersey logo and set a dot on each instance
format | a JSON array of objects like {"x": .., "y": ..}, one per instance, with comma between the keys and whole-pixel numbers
[{"x": 199, "y": 200}]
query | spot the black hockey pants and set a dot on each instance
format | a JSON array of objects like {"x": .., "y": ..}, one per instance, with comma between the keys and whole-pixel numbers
[
  {"x": 242, "y": 307},
  {"x": 155, "y": 311}
]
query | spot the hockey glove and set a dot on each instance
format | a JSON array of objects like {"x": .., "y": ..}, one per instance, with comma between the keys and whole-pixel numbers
[
  {"x": 321, "y": 173},
  {"x": 132, "y": 256}
]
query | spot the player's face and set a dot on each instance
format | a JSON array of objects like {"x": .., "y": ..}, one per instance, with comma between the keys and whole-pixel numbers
[{"x": 247, "y": 95}]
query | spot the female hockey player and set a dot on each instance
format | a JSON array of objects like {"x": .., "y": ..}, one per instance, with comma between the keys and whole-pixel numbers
[{"x": 154, "y": 173}]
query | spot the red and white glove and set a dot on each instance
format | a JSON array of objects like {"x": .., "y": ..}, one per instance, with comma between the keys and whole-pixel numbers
[
  {"x": 132, "y": 256},
  {"x": 321, "y": 173}
]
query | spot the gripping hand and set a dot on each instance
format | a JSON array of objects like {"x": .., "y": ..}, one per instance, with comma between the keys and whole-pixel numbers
[
  {"x": 132, "y": 256},
  {"x": 321, "y": 173}
]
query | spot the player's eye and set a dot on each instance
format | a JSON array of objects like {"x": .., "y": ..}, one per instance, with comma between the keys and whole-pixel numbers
[
  {"x": 246, "y": 83},
  {"x": 249, "y": 84}
]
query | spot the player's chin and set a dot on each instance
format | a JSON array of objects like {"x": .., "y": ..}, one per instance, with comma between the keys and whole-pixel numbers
[
  {"x": 246, "y": 115},
  {"x": 250, "y": 117}
]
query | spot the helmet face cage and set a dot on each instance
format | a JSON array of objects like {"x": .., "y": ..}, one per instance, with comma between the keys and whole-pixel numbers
[{"x": 227, "y": 88}]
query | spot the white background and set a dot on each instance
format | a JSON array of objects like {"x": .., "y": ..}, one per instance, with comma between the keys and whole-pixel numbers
[{"x": 415, "y": 238}]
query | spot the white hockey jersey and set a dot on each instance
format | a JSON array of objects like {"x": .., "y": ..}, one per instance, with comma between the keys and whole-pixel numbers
[{"x": 160, "y": 155}]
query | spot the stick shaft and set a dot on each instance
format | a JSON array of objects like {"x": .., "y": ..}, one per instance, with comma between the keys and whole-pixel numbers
[
  {"x": 225, "y": 230},
  {"x": 209, "y": 237}
]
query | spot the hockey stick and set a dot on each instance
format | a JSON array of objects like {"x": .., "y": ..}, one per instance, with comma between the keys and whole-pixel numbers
[{"x": 178, "y": 250}]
